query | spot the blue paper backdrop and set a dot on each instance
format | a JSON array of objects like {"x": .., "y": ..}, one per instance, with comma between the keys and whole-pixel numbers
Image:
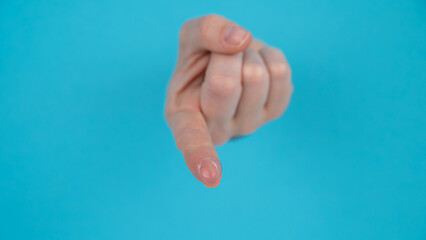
[{"x": 85, "y": 152}]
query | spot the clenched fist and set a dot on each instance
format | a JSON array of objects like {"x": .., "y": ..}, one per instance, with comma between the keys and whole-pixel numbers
[{"x": 225, "y": 84}]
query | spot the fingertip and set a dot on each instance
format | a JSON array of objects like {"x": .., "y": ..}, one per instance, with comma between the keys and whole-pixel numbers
[
  {"x": 213, "y": 184},
  {"x": 208, "y": 171}
]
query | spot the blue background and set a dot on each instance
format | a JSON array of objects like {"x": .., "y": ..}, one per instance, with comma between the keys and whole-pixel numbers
[{"x": 85, "y": 152}]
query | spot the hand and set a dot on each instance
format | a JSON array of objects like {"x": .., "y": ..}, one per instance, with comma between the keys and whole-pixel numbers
[{"x": 224, "y": 85}]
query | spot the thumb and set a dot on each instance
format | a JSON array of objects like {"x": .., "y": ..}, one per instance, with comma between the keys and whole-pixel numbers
[
  {"x": 212, "y": 33},
  {"x": 193, "y": 140}
]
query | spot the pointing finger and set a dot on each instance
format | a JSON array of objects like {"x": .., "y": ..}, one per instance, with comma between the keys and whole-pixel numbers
[{"x": 193, "y": 140}]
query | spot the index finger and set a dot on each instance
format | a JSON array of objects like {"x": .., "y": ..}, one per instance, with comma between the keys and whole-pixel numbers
[{"x": 193, "y": 140}]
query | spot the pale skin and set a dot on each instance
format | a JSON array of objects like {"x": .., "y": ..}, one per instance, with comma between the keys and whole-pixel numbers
[{"x": 225, "y": 84}]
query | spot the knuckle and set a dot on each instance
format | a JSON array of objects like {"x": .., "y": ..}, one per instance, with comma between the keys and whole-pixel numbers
[
  {"x": 185, "y": 133},
  {"x": 279, "y": 69},
  {"x": 223, "y": 85},
  {"x": 254, "y": 73}
]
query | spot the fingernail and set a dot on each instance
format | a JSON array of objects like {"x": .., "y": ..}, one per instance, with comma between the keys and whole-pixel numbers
[
  {"x": 208, "y": 171},
  {"x": 235, "y": 35}
]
